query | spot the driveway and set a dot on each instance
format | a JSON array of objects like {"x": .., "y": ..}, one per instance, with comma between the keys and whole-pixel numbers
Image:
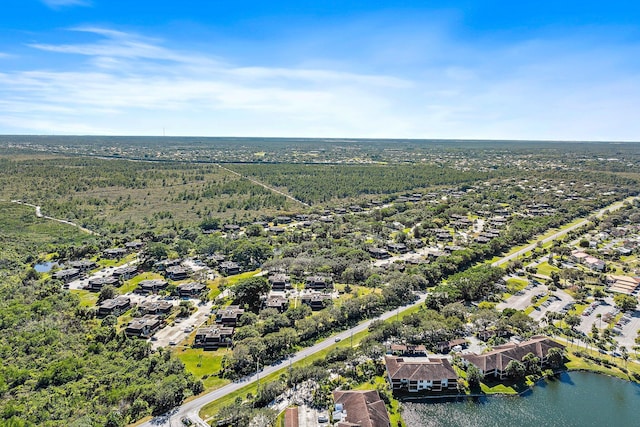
[
  {"x": 182, "y": 328},
  {"x": 308, "y": 417}
]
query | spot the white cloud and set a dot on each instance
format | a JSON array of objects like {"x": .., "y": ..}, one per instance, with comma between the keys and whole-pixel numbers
[
  {"x": 56, "y": 4},
  {"x": 129, "y": 84}
]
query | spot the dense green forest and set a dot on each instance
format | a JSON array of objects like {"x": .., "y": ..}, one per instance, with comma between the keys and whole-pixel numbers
[{"x": 61, "y": 367}]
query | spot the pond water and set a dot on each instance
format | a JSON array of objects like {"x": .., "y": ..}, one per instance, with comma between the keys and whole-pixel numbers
[
  {"x": 44, "y": 267},
  {"x": 574, "y": 399}
]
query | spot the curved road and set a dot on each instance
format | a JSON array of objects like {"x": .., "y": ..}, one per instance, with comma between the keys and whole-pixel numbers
[
  {"x": 192, "y": 408},
  {"x": 554, "y": 236}
]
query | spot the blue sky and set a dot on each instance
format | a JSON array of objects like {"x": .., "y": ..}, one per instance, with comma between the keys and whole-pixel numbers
[{"x": 564, "y": 70}]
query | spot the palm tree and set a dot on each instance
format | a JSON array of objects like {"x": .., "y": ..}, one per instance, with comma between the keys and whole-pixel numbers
[{"x": 625, "y": 355}]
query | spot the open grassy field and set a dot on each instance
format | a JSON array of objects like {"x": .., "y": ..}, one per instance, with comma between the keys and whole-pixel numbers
[
  {"x": 99, "y": 193},
  {"x": 205, "y": 365}
]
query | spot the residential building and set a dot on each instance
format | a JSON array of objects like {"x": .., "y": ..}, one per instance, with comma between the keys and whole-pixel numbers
[
  {"x": 420, "y": 374},
  {"x": 315, "y": 300},
  {"x": 155, "y": 307},
  {"x": 97, "y": 283},
  {"x": 280, "y": 282},
  {"x": 176, "y": 273},
  {"x": 212, "y": 337},
  {"x": 495, "y": 361},
  {"x": 191, "y": 289},
  {"x": 277, "y": 302},
  {"x": 114, "y": 253},
  {"x": 360, "y": 408},
  {"x": 115, "y": 306},
  {"x": 318, "y": 283},
  {"x": 82, "y": 265},
  {"x": 407, "y": 349},
  {"x": 67, "y": 275},
  {"x": 229, "y": 316},
  {"x": 125, "y": 273},
  {"x": 133, "y": 246},
  {"x": 379, "y": 253},
  {"x": 229, "y": 268},
  {"x": 151, "y": 286},
  {"x": 143, "y": 327}
]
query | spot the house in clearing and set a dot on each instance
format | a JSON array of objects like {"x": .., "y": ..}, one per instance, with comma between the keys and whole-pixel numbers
[
  {"x": 407, "y": 350},
  {"x": 379, "y": 253},
  {"x": 134, "y": 246},
  {"x": 156, "y": 307},
  {"x": 360, "y": 408},
  {"x": 316, "y": 300},
  {"x": 420, "y": 374},
  {"x": 115, "y": 306},
  {"x": 125, "y": 273},
  {"x": 191, "y": 289},
  {"x": 176, "y": 272},
  {"x": 279, "y": 303},
  {"x": 143, "y": 327},
  {"x": 151, "y": 286},
  {"x": 97, "y": 283},
  {"x": 67, "y": 275},
  {"x": 229, "y": 316},
  {"x": 213, "y": 337},
  {"x": 280, "y": 282},
  {"x": 229, "y": 268},
  {"x": 317, "y": 283},
  {"x": 114, "y": 253},
  {"x": 82, "y": 265},
  {"x": 495, "y": 361}
]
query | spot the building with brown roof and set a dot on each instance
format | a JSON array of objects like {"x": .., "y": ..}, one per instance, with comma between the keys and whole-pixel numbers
[
  {"x": 360, "y": 408},
  {"x": 413, "y": 375},
  {"x": 495, "y": 361}
]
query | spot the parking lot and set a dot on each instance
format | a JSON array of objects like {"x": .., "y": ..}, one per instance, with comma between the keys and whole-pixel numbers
[
  {"x": 587, "y": 321},
  {"x": 182, "y": 328},
  {"x": 555, "y": 303},
  {"x": 522, "y": 299},
  {"x": 629, "y": 332}
]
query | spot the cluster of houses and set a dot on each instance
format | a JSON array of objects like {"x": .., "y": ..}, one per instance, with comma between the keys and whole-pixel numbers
[
  {"x": 212, "y": 337},
  {"x": 589, "y": 261},
  {"x": 411, "y": 374}
]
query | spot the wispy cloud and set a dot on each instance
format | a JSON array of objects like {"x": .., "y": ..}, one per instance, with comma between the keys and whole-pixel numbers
[
  {"x": 130, "y": 84},
  {"x": 57, "y": 4}
]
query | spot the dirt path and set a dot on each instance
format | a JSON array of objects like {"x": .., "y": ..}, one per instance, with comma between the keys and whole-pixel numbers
[
  {"x": 264, "y": 185},
  {"x": 62, "y": 221}
]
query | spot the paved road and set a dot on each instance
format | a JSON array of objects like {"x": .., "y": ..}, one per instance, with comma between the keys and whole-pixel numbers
[
  {"x": 554, "y": 236},
  {"x": 192, "y": 408}
]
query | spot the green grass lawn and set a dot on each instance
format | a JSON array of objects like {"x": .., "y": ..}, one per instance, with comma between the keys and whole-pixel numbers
[
  {"x": 106, "y": 262},
  {"x": 204, "y": 365},
  {"x": 577, "y": 363},
  {"x": 129, "y": 285},
  {"x": 87, "y": 298},
  {"x": 546, "y": 269}
]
